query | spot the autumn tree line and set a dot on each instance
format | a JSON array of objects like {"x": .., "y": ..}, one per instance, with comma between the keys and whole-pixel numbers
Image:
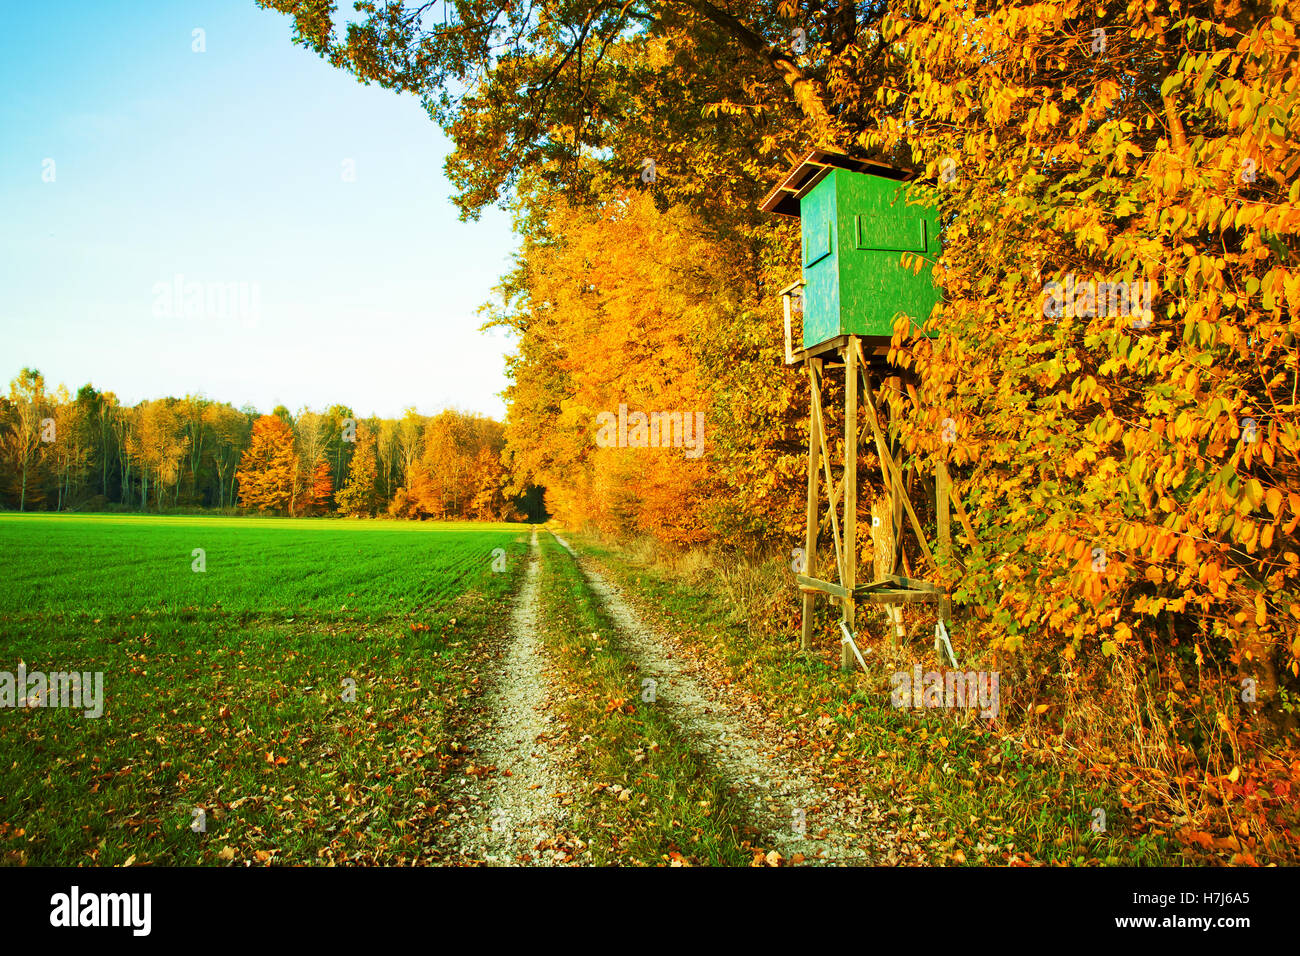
[
  {"x": 60, "y": 452},
  {"x": 1132, "y": 492}
]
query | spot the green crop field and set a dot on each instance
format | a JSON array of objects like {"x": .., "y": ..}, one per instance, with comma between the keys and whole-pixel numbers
[{"x": 272, "y": 689}]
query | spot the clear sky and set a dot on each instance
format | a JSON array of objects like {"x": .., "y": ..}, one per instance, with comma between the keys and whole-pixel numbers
[{"x": 230, "y": 166}]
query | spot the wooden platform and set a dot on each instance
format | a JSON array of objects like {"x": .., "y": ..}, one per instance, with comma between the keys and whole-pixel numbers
[
  {"x": 891, "y": 589},
  {"x": 875, "y": 349}
]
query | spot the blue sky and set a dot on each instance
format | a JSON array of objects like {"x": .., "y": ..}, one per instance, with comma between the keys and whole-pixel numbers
[{"x": 223, "y": 167}]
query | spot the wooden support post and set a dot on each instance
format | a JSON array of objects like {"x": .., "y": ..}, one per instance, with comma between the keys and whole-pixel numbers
[
  {"x": 893, "y": 479},
  {"x": 850, "y": 569},
  {"x": 943, "y": 531},
  {"x": 823, "y": 444},
  {"x": 942, "y": 489},
  {"x": 882, "y": 535},
  {"x": 957, "y": 506},
  {"x": 886, "y": 556},
  {"x": 810, "y": 535},
  {"x": 889, "y": 387}
]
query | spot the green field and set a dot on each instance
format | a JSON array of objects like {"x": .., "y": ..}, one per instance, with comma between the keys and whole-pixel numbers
[{"x": 226, "y": 689}]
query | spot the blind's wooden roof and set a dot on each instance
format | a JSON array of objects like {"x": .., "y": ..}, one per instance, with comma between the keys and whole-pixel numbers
[{"x": 811, "y": 169}]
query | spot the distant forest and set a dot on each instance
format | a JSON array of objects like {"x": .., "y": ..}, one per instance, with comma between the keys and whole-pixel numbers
[{"x": 91, "y": 453}]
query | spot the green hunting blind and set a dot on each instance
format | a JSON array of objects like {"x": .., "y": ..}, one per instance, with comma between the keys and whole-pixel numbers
[{"x": 857, "y": 226}]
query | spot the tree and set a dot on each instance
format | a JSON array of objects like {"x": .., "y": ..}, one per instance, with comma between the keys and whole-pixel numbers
[
  {"x": 102, "y": 408},
  {"x": 357, "y": 497},
  {"x": 342, "y": 440},
  {"x": 196, "y": 420},
  {"x": 95, "y": 434},
  {"x": 158, "y": 446},
  {"x": 22, "y": 440},
  {"x": 71, "y": 451},
  {"x": 489, "y": 503},
  {"x": 647, "y": 285},
  {"x": 537, "y": 86},
  {"x": 232, "y": 431},
  {"x": 267, "y": 468},
  {"x": 408, "y": 438},
  {"x": 386, "y": 450},
  {"x": 124, "y": 422},
  {"x": 444, "y": 459},
  {"x": 424, "y": 498},
  {"x": 322, "y": 487},
  {"x": 312, "y": 431},
  {"x": 142, "y": 456}
]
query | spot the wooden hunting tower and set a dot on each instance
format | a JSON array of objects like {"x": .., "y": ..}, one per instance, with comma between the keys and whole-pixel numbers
[{"x": 856, "y": 227}]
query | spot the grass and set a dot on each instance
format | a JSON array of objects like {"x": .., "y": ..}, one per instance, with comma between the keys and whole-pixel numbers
[
  {"x": 227, "y": 690},
  {"x": 966, "y": 792},
  {"x": 676, "y": 810}
]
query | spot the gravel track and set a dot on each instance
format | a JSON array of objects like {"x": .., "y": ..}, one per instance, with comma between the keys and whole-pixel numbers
[
  {"x": 516, "y": 792},
  {"x": 797, "y": 808}
]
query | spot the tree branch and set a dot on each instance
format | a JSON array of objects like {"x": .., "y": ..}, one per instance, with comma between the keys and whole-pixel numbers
[{"x": 807, "y": 91}]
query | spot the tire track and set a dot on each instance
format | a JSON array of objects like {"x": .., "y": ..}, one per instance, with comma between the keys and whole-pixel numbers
[
  {"x": 797, "y": 809},
  {"x": 516, "y": 792}
]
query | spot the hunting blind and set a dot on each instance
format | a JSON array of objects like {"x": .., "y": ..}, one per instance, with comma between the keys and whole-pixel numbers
[{"x": 856, "y": 227}]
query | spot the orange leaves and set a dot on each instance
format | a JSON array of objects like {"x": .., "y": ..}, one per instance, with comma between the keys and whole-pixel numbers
[
  {"x": 322, "y": 486},
  {"x": 619, "y": 705},
  {"x": 267, "y": 468},
  {"x": 1197, "y": 501},
  {"x": 1273, "y": 499},
  {"x": 1210, "y": 576},
  {"x": 634, "y": 334},
  {"x": 1170, "y": 446},
  {"x": 1091, "y": 586}
]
